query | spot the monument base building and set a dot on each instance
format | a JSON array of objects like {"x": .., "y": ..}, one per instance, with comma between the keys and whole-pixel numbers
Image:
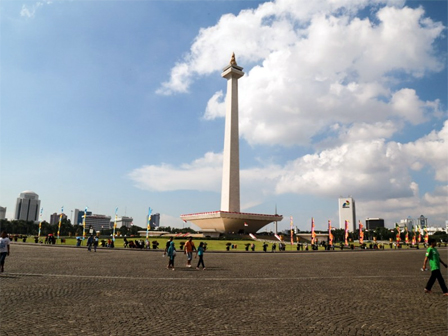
[{"x": 218, "y": 222}]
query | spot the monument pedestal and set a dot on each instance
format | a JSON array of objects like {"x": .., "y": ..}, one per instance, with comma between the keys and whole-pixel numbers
[{"x": 233, "y": 222}]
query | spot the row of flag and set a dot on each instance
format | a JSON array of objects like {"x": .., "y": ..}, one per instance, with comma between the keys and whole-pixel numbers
[{"x": 416, "y": 234}]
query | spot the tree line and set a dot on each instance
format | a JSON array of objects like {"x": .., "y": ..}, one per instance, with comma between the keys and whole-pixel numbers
[{"x": 30, "y": 228}]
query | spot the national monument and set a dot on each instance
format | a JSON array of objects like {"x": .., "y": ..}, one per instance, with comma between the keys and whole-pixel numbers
[{"x": 229, "y": 218}]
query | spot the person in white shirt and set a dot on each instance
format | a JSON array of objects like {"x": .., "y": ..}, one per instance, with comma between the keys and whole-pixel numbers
[{"x": 4, "y": 249}]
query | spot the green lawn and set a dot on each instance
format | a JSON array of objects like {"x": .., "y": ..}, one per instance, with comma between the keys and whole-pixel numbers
[{"x": 212, "y": 244}]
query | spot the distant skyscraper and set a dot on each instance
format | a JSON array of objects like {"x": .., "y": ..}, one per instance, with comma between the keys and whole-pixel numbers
[
  {"x": 54, "y": 218},
  {"x": 155, "y": 221},
  {"x": 27, "y": 206},
  {"x": 124, "y": 221},
  {"x": 77, "y": 219},
  {"x": 347, "y": 212},
  {"x": 2, "y": 212},
  {"x": 374, "y": 223},
  {"x": 98, "y": 222}
]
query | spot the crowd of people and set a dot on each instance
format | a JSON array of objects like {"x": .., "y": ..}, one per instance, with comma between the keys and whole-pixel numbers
[{"x": 432, "y": 255}]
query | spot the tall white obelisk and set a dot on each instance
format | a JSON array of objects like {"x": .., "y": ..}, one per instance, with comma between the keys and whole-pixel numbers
[
  {"x": 229, "y": 219},
  {"x": 230, "y": 193}
]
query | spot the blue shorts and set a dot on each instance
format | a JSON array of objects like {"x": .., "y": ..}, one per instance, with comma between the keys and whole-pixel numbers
[
  {"x": 2, "y": 257},
  {"x": 189, "y": 255}
]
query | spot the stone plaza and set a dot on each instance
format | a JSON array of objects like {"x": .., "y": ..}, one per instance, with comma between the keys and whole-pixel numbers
[{"x": 53, "y": 290}]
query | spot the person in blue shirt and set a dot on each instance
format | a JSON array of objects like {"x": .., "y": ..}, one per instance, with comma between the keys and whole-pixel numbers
[
  {"x": 200, "y": 253},
  {"x": 171, "y": 253}
]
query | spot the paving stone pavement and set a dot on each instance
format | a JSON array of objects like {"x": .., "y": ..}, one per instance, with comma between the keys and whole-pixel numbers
[{"x": 52, "y": 290}]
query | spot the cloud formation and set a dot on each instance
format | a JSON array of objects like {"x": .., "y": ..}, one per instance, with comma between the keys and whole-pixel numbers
[
  {"x": 321, "y": 76},
  {"x": 375, "y": 171},
  {"x": 30, "y": 10},
  {"x": 317, "y": 65}
]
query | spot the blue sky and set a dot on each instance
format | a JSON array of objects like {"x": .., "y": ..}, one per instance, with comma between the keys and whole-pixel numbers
[{"x": 112, "y": 104}]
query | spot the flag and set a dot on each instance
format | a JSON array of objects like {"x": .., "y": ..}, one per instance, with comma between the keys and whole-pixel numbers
[
  {"x": 313, "y": 233},
  {"x": 148, "y": 226},
  {"x": 84, "y": 224},
  {"x": 330, "y": 235},
  {"x": 346, "y": 233},
  {"x": 60, "y": 220},
  {"x": 361, "y": 234},
  {"x": 426, "y": 238},
  {"x": 245, "y": 224},
  {"x": 40, "y": 222},
  {"x": 406, "y": 238},
  {"x": 292, "y": 230},
  {"x": 419, "y": 238},
  {"x": 115, "y": 225},
  {"x": 397, "y": 227},
  {"x": 414, "y": 236}
]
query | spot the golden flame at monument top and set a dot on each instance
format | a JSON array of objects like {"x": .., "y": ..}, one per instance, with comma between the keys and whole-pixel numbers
[{"x": 233, "y": 60}]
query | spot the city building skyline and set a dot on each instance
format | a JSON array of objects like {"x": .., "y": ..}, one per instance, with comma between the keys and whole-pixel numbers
[{"x": 27, "y": 206}]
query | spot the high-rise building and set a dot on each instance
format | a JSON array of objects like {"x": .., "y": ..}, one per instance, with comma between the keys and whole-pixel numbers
[
  {"x": 2, "y": 212},
  {"x": 77, "y": 219},
  {"x": 54, "y": 218},
  {"x": 27, "y": 206},
  {"x": 124, "y": 221},
  {"x": 155, "y": 221},
  {"x": 98, "y": 222},
  {"x": 347, "y": 212},
  {"x": 373, "y": 223}
]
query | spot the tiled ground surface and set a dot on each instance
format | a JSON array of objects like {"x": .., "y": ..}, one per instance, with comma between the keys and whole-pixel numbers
[{"x": 51, "y": 290}]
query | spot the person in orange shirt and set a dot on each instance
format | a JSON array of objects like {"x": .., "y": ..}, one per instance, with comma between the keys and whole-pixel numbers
[{"x": 188, "y": 249}]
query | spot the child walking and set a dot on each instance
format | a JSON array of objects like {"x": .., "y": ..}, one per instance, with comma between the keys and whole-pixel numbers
[{"x": 200, "y": 253}]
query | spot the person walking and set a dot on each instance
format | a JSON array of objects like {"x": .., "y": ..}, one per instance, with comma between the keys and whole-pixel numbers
[
  {"x": 95, "y": 243},
  {"x": 171, "y": 253},
  {"x": 89, "y": 243},
  {"x": 167, "y": 246},
  {"x": 434, "y": 262},
  {"x": 200, "y": 253},
  {"x": 189, "y": 248},
  {"x": 4, "y": 249}
]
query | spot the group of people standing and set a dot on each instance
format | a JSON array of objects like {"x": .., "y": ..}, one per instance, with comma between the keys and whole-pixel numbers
[
  {"x": 189, "y": 249},
  {"x": 92, "y": 241},
  {"x": 432, "y": 256}
]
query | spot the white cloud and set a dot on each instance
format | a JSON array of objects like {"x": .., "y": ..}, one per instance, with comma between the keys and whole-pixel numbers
[
  {"x": 215, "y": 107},
  {"x": 318, "y": 75},
  {"x": 30, "y": 10},
  {"x": 431, "y": 150},
  {"x": 203, "y": 174},
  {"x": 318, "y": 65}
]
